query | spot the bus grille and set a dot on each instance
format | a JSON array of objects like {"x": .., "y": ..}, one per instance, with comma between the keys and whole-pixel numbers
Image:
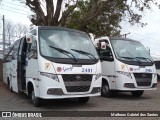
[
  {"x": 143, "y": 79},
  {"x": 77, "y": 88},
  {"x": 77, "y": 82}
]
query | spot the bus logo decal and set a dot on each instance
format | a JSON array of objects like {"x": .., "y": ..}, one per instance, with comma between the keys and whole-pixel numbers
[
  {"x": 131, "y": 69},
  {"x": 148, "y": 70},
  {"x": 137, "y": 69},
  {"x": 67, "y": 69},
  {"x": 59, "y": 69}
]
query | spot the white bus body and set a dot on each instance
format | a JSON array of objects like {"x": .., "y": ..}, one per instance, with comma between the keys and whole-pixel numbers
[
  {"x": 126, "y": 66},
  {"x": 53, "y": 63}
]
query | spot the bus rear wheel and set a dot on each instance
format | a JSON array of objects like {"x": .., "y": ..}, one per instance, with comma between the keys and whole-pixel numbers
[
  {"x": 36, "y": 101},
  {"x": 137, "y": 93}
]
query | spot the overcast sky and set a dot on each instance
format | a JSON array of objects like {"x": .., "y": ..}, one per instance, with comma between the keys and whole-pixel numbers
[
  {"x": 15, "y": 11},
  {"x": 148, "y": 35}
]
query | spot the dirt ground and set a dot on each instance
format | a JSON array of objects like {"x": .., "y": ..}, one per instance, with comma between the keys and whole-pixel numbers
[{"x": 1, "y": 71}]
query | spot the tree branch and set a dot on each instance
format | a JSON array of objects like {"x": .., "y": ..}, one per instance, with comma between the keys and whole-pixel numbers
[
  {"x": 94, "y": 13},
  {"x": 38, "y": 10},
  {"x": 95, "y": 9},
  {"x": 66, "y": 13},
  {"x": 50, "y": 11},
  {"x": 30, "y": 5},
  {"x": 57, "y": 13}
]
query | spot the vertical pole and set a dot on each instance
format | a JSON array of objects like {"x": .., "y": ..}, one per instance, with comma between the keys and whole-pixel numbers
[
  {"x": 125, "y": 35},
  {"x": 3, "y": 36}
]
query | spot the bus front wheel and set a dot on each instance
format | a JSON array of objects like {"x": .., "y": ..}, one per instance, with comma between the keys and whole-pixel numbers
[
  {"x": 137, "y": 93},
  {"x": 36, "y": 101},
  {"x": 9, "y": 85},
  {"x": 105, "y": 91}
]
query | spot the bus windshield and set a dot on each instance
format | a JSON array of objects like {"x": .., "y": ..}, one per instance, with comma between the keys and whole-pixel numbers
[
  {"x": 56, "y": 43},
  {"x": 128, "y": 50}
]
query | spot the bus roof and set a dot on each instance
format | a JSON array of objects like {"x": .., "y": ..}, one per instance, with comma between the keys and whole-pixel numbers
[
  {"x": 120, "y": 38},
  {"x": 59, "y": 28}
]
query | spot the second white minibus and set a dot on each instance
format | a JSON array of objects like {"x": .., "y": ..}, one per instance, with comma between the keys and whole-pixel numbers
[{"x": 126, "y": 66}]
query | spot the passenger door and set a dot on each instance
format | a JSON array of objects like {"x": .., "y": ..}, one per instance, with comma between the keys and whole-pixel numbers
[
  {"x": 14, "y": 64},
  {"x": 108, "y": 65},
  {"x": 21, "y": 68},
  {"x": 32, "y": 61}
]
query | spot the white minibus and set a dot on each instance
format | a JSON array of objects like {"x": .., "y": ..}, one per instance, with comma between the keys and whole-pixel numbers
[
  {"x": 53, "y": 63},
  {"x": 126, "y": 66}
]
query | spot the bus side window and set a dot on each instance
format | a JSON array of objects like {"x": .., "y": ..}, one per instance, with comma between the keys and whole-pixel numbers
[
  {"x": 32, "y": 48},
  {"x": 8, "y": 54},
  {"x": 9, "y": 58},
  {"x": 15, "y": 49}
]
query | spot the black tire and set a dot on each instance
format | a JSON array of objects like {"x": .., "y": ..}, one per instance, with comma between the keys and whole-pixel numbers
[
  {"x": 9, "y": 85},
  {"x": 137, "y": 93},
  {"x": 35, "y": 100},
  {"x": 158, "y": 77},
  {"x": 83, "y": 99},
  {"x": 11, "y": 89},
  {"x": 105, "y": 91}
]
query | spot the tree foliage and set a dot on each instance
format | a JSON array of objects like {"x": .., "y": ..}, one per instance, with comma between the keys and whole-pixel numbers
[{"x": 96, "y": 16}]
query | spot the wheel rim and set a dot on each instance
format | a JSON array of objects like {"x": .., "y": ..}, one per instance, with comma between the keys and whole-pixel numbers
[{"x": 33, "y": 97}]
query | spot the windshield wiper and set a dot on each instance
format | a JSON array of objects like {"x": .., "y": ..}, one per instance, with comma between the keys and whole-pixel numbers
[
  {"x": 131, "y": 58},
  {"x": 127, "y": 57},
  {"x": 65, "y": 52},
  {"x": 144, "y": 58},
  {"x": 86, "y": 53}
]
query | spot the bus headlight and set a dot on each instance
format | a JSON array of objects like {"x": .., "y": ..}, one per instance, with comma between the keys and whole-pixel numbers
[
  {"x": 125, "y": 73},
  {"x": 50, "y": 75},
  {"x": 154, "y": 75},
  {"x": 98, "y": 76}
]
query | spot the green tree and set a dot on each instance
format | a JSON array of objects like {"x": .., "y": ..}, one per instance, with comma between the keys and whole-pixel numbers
[
  {"x": 96, "y": 16},
  {"x": 99, "y": 18}
]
